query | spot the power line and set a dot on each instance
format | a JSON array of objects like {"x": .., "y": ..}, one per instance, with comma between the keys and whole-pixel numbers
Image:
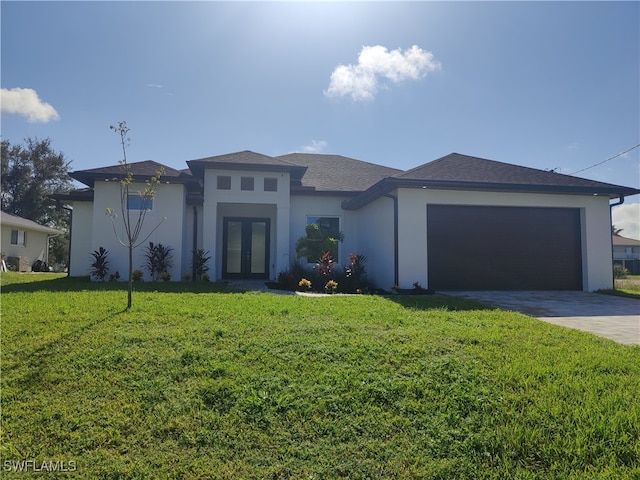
[{"x": 604, "y": 161}]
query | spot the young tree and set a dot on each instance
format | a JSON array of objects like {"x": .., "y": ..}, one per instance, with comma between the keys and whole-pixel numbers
[{"x": 132, "y": 222}]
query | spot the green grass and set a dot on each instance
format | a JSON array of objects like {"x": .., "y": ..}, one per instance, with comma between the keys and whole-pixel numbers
[
  {"x": 625, "y": 287},
  {"x": 213, "y": 384}
]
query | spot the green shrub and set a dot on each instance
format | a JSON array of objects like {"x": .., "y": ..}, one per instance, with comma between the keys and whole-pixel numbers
[
  {"x": 159, "y": 259},
  {"x": 137, "y": 275},
  {"x": 288, "y": 279},
  {"x": 619, "y": 271},
  {"x": 200, "y": 257},
  {"x": 99, "y": 268}
]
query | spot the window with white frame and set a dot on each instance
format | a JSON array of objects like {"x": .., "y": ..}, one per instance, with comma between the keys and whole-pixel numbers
[{"x": 19, "y": 237}]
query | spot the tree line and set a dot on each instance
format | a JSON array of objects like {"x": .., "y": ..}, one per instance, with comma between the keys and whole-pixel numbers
[{"x": 31, "y": 173}]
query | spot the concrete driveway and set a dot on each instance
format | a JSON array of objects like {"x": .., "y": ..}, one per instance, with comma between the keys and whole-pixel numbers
[{"x": 616, "y": 318}]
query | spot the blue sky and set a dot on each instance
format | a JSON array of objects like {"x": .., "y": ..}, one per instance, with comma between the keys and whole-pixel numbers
[{"x": 547, "y": 85}]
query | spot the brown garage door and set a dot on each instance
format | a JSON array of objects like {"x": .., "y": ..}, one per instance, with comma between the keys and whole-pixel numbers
[{"x": 503, "y": 248}]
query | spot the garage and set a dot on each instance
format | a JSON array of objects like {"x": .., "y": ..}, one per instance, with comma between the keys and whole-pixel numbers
[{"x": 503, "y": 248}]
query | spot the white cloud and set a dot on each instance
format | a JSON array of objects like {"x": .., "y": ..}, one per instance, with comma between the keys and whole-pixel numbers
[
  {"x": 627, "y": 217},
  {"x": 25, "y": 102},
  {"x": 376, "y": 64},
  {"x": 317, "y": 146}
]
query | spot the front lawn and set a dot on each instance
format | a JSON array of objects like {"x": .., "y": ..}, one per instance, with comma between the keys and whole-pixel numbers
[{"x": 211, "y": 384}]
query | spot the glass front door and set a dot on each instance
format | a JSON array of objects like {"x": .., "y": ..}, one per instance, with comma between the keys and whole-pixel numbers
[{"x": 246, "y": 248}]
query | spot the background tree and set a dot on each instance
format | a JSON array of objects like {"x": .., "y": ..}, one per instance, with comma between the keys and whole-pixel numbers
[
  {"x": 30, "y": 174},
  {"x": 615, "y": 230},
  {"x": 132, "y": 222}
]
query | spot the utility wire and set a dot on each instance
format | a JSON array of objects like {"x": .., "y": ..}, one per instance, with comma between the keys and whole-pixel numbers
[{"x": 604, "y": 161}]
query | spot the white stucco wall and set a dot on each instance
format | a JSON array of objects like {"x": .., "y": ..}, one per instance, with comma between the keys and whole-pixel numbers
[
  {"x": 168, "y": 202},
  {"x": 375, "y": 238},
  {"x": 595, "y": 219},
  {"x": 242, "y": 203},
  {"x": 81, "y": 238}
]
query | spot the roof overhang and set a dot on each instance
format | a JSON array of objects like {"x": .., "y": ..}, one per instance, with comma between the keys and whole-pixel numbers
[
  {"x": 389, "y": 184},
  {"x": 25, "y": 224},
  {"x": 80, "y": 195},
  {"x": 199, "y": 166},
  {"x": 89, "y": 179}
]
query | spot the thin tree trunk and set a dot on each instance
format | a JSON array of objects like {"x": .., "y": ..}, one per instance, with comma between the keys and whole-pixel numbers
[{"x": 130, "y": 286}]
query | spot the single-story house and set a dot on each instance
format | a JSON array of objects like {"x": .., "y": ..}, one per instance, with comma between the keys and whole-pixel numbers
[
  {"x": 458, "y": 222},
  {"x": 626, "y": 252},
  {"x": 24, "y": 242}
]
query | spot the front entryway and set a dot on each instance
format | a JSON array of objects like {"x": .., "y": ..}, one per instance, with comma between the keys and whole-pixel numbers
[{"x": 245, "y": 248}]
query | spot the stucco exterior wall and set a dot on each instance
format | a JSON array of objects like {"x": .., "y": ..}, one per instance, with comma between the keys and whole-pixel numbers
[
  {"x": 168, "y": 203},
  {"x": 243, "y": 203},
  {"x": 376, "y": 240},
  {"x": 595, "y": 219},
  {"x": 81, "y": 238}
]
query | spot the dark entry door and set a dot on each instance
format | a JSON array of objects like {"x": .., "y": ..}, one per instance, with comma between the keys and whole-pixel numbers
[{"x": 245, "y": 248}]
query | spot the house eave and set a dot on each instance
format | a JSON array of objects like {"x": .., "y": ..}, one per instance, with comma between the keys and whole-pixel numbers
[
  {"x": 91, "y": 179},
  {"x": 198, "y": 167},
  {"x": 388, "y": 184}
]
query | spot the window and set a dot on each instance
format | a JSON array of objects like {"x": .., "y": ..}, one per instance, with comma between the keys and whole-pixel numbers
[
  {"x": 135, "y": 201},
  {"x": 329, "y": 228},
  {"x": 18, "y": 237},
  {"x": 270, "y": 184},
  {"x": 246, "y": 183},
  {"x": 224, "y": 182}
]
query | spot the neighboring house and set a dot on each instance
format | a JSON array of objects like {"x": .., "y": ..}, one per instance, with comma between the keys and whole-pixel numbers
[
  {"x": 24, "y": 242},
  {"x": 459, "y": 222},
  {"x": 626, "y": 252}
]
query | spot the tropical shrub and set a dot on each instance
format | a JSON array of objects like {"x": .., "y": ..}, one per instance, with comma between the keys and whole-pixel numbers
[
  {"x": 619, "y": 271},
  {"x": 331, "y": 286},
  {"x": 199, "y": 262},
  {"x": 288, "y": 279},
  {"x": 304, "y": 284},
  {"x": 355, "y": 272},
  {"x": 159, "y": 259},
  {"x": 137, "y": 275},
  {"x": 325, "y": 265},
  {"x": 99, "y": 268},
  {"x": 317, "y": 241}
]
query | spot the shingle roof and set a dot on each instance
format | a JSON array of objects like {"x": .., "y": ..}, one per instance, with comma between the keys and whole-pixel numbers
[
  {"x": 139, "y": 170},
  {"x": 464, "y": 172},
  {"x": 465, "y": 168},
  {"x": 620, "y": 241},
  {"x": 335, "y": 173},
  {"x": 23, "y": 223},
  {"x": 245, "y": 160}
]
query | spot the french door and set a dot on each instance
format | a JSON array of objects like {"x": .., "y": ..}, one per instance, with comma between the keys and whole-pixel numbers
[{"x": 245, "y": 247}]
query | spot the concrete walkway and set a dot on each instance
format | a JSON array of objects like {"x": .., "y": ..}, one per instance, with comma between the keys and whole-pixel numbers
[{"x": 616, "y": 318}]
